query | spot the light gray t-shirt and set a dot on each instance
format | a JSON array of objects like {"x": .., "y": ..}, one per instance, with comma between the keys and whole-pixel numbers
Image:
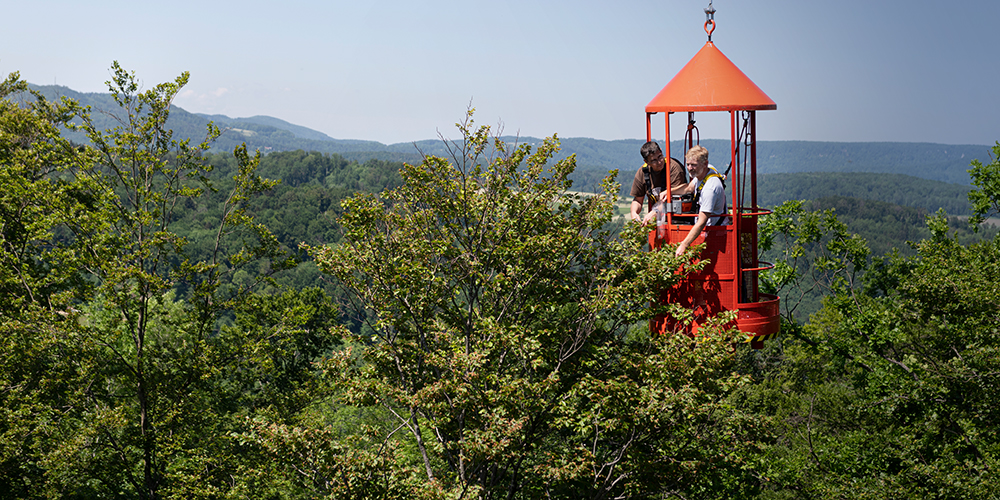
[{"x": 712, "y": 200}]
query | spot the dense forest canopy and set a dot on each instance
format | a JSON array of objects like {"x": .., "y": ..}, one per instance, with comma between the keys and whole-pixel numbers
[{"x": 190, "y": 319}]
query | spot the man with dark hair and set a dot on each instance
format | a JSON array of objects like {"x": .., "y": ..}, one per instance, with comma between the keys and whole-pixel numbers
[{"x": 651, "y": 181}]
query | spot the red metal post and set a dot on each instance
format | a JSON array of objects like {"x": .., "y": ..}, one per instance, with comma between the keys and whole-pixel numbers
[
  {"x": 670, "y": 191},
  {"x": 736, "y": 219},
  {"x": 753, "y": 159}
]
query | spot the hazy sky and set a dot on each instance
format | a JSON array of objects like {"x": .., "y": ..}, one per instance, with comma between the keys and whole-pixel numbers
[{"x": 396, "y": 71}]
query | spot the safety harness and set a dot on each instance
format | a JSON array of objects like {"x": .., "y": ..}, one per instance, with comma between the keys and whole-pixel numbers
[
  {"x": 649, "y": 182},
  {"x": 714, "y": 173},
  {"x": 701, "y": 185}
]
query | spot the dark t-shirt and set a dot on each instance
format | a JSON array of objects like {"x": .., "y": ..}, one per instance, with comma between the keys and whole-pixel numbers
[{"x": 659, "y": 179}]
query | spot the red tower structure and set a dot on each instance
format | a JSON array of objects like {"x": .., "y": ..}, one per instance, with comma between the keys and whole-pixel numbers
[{"x": 711, "y": 82}]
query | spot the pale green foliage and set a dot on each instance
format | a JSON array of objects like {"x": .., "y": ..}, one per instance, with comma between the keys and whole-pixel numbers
[
  {"x": 499, "y": 307},
  {"x": 307, "y": 462}
]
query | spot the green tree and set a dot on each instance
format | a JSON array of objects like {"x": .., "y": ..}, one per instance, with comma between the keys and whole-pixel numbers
[
  {"x": 507, "y": 337},
  {"x": 119, "y": 375},
  {"x": 152, "y": 384},
  {"x": 985, "y": 198},
  {"x": 887, "y": 392},
  {"x": 42, "y": 277}
]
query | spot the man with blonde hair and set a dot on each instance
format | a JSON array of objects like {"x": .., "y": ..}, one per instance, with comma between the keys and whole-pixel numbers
[{"x": 710, "y": 195}]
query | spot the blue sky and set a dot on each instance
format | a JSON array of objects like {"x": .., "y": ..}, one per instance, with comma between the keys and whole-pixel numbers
[{"x": 395, "y": 71}]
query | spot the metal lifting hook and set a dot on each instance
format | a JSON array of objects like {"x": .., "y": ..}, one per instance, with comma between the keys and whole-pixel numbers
[
  {"x": 710, "y": 20},
  {"x": 691, "y": 130}
]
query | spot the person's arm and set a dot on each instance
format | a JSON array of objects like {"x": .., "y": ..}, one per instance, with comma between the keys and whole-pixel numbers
[
  {"x": 685, "y": 188},
  {"x": 677, "y": 184},
  {"x": 693, "y": 233},
  {"x": 650, "y": 217},
  {"x": 679, "y": 189},
  {"x": 637, "y": 208}
]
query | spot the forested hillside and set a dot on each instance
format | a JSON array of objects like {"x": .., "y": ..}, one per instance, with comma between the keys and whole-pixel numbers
[
  {"x": 820, "y": 169},
  {"x": 303, "y": 207},
  {"x": 259, "y": 133},
  {"x": 904, "y": 190},
  {"x": 939, "y": 162},
  {"x": 306, "y": 205},
  {"x": 181, "y": 321}
]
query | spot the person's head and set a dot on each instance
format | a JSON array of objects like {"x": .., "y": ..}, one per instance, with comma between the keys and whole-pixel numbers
[
  {"x": 652, "y": 155},
  {"x": 696, "y": 160}
]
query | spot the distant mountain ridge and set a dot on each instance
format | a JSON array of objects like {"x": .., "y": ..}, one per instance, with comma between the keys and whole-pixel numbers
[
  {"x": 595, "y": 157},
  {"x": 299, "y": 131}
]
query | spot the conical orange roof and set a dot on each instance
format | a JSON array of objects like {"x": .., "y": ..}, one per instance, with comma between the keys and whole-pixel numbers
[{"x": 710, "y": 82}]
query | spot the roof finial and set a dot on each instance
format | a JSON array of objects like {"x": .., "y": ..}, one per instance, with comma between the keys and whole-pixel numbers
[{"x": 710, "y": 20}]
